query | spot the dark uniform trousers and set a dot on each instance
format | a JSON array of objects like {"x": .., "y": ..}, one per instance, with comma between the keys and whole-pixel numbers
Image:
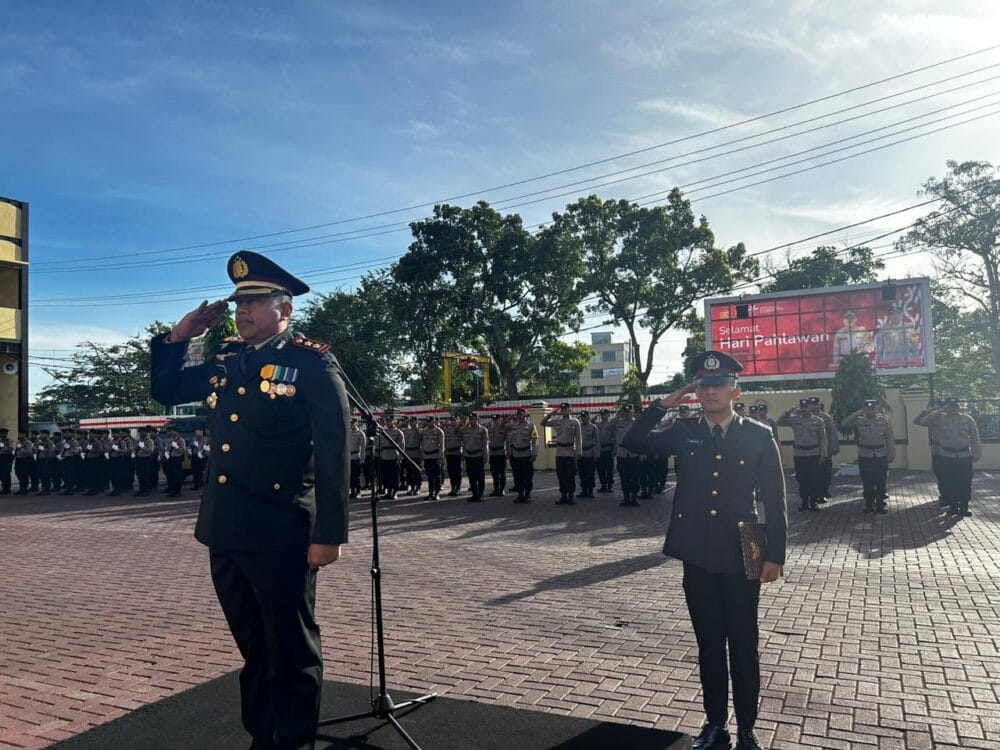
[
  {"x": 145, "y": 472},
  {"x": 475, "y": 468},
  {"x": 73, "y": 475},
  {"x": 23, "y": 469},
  {"x": 645, "y": 471},
  {"x": 498, "y": 472},
  {"x": 566, "y": 472},
  {"x": 524, "y": 474},
  {"x": 936, "y": 469},
  {"x": 454, "y": 462},
  {"x": 586, "y": 467},
  {"x": 956, "y": 481},
  {"x": 97, "y": 474},
  {"x": 6, "y": 464},
  {"x": 120, "y": 469},
  {"x": 434, "y": 474},
  {"x": 628, "y": 472},
  {"x": 723, "y": 609},
  {"x": 46, "y": 469},
  {"x": 661, "y": 470},
  {"x": 173, "y": 470},
  {"x": 269, "y": 599},
  {"x": 606, "y": 467},
  {"x": 874, "y": 472},
  {"x": 388, "y": 475},
  {"x": 807, "y": 474},
  {"x": 197, "y": 471},
  {"x": 414, "y": 477},
  {"x": 355, "y": 475}
]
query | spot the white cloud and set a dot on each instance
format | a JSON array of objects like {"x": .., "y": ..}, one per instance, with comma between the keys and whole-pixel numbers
[{"x": 702, "y": 112}]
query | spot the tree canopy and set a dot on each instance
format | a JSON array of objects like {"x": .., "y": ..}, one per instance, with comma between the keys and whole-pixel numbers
[
  {"x": 646, "y": 268},
  {"x": 824, "y": 267}
]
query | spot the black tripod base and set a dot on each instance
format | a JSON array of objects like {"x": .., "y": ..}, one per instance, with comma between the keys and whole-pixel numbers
[{"x": 384, "y": 708}]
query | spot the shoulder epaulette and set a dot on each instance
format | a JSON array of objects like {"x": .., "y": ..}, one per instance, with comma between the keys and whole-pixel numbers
[
  {"x": 320, "y": 347},
  {"x": 232, "y": 340}
]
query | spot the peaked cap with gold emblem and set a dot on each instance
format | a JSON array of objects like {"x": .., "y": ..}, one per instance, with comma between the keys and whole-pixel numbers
[
  {"x": 715, "y": 368},
  {"x": 257, "y": 276}
]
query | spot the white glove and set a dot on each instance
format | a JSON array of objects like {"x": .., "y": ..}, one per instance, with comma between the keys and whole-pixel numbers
[
  {"x": 114, "y": 448},
  {"x": 208, "y": 449},
  {"x": 90, "y": 446},
  {"x": 173, "y": 444},
  {"x": 133, "y": 454},
  {"x": 200, "y": 454},
  {"x": 107, "y": 455}
]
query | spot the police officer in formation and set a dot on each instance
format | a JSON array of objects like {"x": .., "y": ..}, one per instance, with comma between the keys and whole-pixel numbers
[
  {"x": 566, "y": 431},
  {"x": 499, "y": 449},
  {"x": 357, "y": 442},
  {"x": 934, "y": 442},
  {"x": 876, "y": 450},
  {"x": 628, "y": 461},
  {"x": 810, "y": 448},
  {"x": 411, "y": 447},
  {"x": 475, "y": 444},
  {"x": 388, "y": 457},
  {"x": 833, "y": 446},
  {"x": 959, "y": 448},
  {"x": 523, "y": 439},
  {"x": 589, "y": 453},
  {"x": 726, "y": 467},
  {"x": 24, "y": 463},
  {"x": 6, "y": 460},
  {"x": 432, "y": 454},
  {"x": 453, "y": 453},
  {"x": 606, "y": 461}
]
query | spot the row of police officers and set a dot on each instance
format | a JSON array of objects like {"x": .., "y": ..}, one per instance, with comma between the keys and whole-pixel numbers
[{"x": 92, "y": 462}]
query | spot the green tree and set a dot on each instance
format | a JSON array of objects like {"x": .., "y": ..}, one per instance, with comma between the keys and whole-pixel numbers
[
  {"x": 633, "y": 389},
  {"x": 647, "y": 267},
  {"x": 360, "y": 328},
  {"x": 493, "y": 281},
  {"x": 559, "y": 373},
  {"x": 824, "y": 267},
  {"x": 854, "y": 382},
  {"x": 214, "y": 339},
  {"x": 964, "y": 234},
  {"x": 103, "y": 380}
]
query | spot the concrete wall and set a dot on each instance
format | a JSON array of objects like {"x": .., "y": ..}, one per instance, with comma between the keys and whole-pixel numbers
[{"x": 13, "y": 256}]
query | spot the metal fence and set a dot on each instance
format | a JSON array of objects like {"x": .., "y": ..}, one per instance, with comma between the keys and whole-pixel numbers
[{"x": 986, "y": 412}]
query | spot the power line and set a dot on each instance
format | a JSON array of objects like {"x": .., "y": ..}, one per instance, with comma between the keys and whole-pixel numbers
[
  {"x": 716, "y": 178},
  {"x": 578, "y": 167}
]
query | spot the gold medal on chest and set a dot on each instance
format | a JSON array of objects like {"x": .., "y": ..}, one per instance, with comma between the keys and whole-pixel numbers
[
  {"x": 265, "y": 386},
  {"x": 212, "y": 400}
]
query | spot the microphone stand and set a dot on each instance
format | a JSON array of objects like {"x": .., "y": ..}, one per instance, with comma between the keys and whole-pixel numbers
[{"x": 383, "y": 706}]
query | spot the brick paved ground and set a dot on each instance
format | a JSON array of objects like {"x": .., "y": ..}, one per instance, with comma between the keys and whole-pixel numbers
[{"x": 885, "y": 632}]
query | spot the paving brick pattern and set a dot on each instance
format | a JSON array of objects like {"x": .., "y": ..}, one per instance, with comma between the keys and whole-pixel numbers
[{"x": 884, "y": 633}]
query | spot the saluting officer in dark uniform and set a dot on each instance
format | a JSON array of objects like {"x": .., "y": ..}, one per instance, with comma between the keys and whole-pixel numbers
[
  {"x": 724, "y": 465},
  {"x": 274, "y": 506},
  {"x": 6, "y": 460}
]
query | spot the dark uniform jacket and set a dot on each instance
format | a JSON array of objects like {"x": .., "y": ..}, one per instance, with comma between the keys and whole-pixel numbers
[
  {"x": 716, "y": 489},
  {"x": 278, "y": 477}
]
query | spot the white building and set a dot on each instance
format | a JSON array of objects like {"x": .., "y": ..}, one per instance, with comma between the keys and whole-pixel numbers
[{"x": 607, "y": 368}]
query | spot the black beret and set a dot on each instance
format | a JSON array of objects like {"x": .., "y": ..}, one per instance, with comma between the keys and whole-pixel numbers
[
  {"x": 565, "y": 405},
  {"x": 804, "y": 402},
  {"x": 871, "y": 402},
  {"x": 521, "y": 410}
]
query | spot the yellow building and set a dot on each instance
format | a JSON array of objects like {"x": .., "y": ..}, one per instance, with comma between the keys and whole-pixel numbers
[{"x": 13, "y": 314}]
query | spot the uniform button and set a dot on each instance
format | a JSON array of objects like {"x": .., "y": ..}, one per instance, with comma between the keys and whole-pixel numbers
[
  {"x": 234, "y": 417},
  {"x": 715, "y": 474},
  {"x": 680, "y": 515},
  {"x": 226, "y": 447},
  {"x": 742, "y": 462},
  {"x": 277, "y": 485},
  {"x": 241, "y": 390},
  {"x": 718, "y": 456},
  {"x": 715, "y": 493},
  {"x": 713, "y": 513},
  {"x": 222, "y": 478}
]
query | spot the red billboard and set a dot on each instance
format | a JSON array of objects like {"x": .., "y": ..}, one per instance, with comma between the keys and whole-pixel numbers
[{"x": 803, "y": 334}]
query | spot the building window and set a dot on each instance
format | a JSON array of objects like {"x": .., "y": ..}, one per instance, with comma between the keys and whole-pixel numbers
[
  {"x": 597, "y": 389},
  {"x": 597, "y": 374},
  {"x": 597, "y": 339},
  {"x": 611, "y": 356}
]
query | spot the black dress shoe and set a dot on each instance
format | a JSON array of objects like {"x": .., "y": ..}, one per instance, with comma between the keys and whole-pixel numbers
[
  {"x": 747, "y": 740},
  {"x": 712, "y": 737}
]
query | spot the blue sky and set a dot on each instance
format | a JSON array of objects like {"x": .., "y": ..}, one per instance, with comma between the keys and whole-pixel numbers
[{"x": 134, "y": 129}]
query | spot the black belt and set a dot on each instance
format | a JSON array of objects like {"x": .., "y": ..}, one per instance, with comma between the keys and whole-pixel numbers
[
  {"x": 565, "y": 445},
  {"x": 586, "y": 447},
  {"x": 607, "y": 445},
  {"x": 805, "y": 447},
  {"x": 356, "y": 453},
  {"x": 473, "y": 454},
  {"x": 956, "y": 450},
  {"x": 871, "y": 447},
  {"x": 428, "y": 455}
]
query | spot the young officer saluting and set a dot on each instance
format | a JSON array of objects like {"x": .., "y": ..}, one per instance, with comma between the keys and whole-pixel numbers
[{"x": 724, "y": 464}]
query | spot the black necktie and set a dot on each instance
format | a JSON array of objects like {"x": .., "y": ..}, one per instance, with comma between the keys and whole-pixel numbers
[
  {"x": 717, "y": 437},
  {"x": 245, "y": 356}
]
